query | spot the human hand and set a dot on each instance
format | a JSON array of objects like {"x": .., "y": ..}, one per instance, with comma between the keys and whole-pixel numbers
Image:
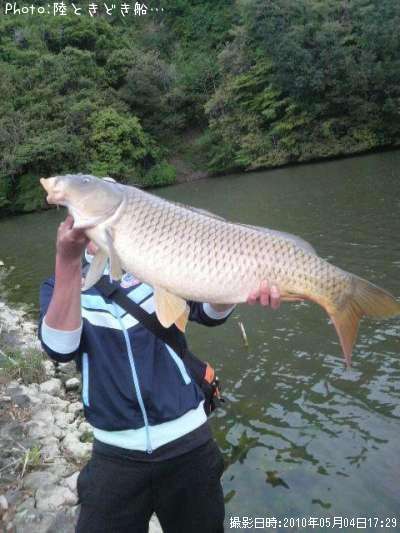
[
  {"x": 266, "y": 295},
  {"x": 70, "y": 242}
]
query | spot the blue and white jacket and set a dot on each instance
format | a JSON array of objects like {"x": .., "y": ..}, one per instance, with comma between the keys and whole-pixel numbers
[{"x": 136, "y": 391}]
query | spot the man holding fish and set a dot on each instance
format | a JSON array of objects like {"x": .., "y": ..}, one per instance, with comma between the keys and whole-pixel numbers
[{"x": 153, "y": 449}]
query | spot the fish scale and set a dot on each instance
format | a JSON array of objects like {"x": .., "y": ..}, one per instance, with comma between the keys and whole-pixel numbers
[
  {"x": 186, "y": 239},
  {"x": 189, "y": 254}
]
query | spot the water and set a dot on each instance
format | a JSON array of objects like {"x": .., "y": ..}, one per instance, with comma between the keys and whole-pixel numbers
[{"x": 301, "y": 435}]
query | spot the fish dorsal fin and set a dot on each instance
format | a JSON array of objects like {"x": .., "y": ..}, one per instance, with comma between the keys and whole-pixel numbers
[
  {"x": 204, "y": 212},
  {"x": 290, "y": 237},
  {"x": 306, "y": 246},
  {"x": 169, "y": 308},
  {"x": 96, "y": 270}
]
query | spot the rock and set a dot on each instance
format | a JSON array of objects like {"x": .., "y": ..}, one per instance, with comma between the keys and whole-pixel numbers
[
  {"x": 63, "y": 420},
  {"x": 70, "y": 481},
  {"x": 43, "y": 415},
  {"x": 3, "y": 504},
  {"x": 34, "y": 399},
  {"x": 79, "y": 450},
  {"x": 28, "y": 504},
  {"x": 12, "y": 496},
  {"x": 21, "y": 400},
  {"x": 64, "y": 522},
  {"x": 85, "y": 427},
  {"x": 15, "y": 391},
  {"x": 41, "y": 430},
  {"x": 52, "y": 386},
  {"x": 36, "y": 480},
  {"x": 12, "y": 384},
  {"x": 33, "y": 388},
  {"x": 12, "y": 430},
  {"x": 49, "y": 367},
  {"x": 33, "y": 521},
  {"x": 50, "y": 449},
  {"x": 75, "y": 408},
  {"x": 50, "y": 498},
  {"x": 58, "y": 404},
  {"x": 53, "y": 402},
  {"x": 72, "y": 384},
  {"x": 61, "y": 468}
]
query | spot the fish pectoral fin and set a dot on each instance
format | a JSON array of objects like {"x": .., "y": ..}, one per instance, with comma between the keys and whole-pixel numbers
[
  {"x": 292, "y": 299},
  {"x": 96, "y": 270},
  {"x": 169, "y": 308},
  {"x": 115, "y": 264},
  {"x": 182, "y": 320},
  {"x": 287, "y": 296},
  {"x": 80, "y": 222},
  {"x": 83, "y": 224}
]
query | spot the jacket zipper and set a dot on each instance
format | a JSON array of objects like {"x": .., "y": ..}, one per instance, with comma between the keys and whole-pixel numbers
[
  {"x": 179, "y": 363},
  {"x": 85, "y": 379},
  {"x": 149, "y": 449}
]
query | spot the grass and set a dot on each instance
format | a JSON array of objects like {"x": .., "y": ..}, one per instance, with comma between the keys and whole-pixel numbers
[
  {"x": 87, "y": 436},
  {"x": 26, "y": 365},
  {"x": 24, "y": 461}
]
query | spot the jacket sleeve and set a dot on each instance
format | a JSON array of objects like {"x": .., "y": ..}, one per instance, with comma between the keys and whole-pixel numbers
[
  {"x": 204, "y": 314},
  {"x": 61, "y": 346}
]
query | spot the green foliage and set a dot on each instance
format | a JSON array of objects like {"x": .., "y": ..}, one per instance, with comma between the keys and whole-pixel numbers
[
  {"x": 161, "y": 174},
  {"x": 118, "y": 144},
  {"x": 148, "y": 80},
  {"x": 87, "y": 436},
  {"x": 26, "y": 365},
  {"x": 33, "y": 458},
  {"x": 266, "y": 82},
  {"x": 5, "y": 192},
  {"x": 29, "y": 196},
  {"x": 309, "y": 79}
]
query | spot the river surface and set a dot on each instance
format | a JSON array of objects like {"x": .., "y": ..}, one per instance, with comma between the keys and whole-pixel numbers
[{"x": 301, "y": 435}]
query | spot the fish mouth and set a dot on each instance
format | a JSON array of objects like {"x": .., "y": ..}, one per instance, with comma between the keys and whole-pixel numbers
[{"x": 54, "y": 196}]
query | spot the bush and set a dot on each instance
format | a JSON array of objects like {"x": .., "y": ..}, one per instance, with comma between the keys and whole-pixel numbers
[
  {"x": 161, "y": 174},
  {"x": 5, "y": 192},
  {"x": 118, "y": 144},
  {"x": 30, "y": 196}
]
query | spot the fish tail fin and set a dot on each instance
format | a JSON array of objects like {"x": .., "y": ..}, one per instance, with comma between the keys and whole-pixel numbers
[{"x": 366, "y": 300}]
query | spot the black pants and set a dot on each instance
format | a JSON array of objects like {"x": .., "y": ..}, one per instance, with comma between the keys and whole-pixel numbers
[{"x": 118, "y": 495}]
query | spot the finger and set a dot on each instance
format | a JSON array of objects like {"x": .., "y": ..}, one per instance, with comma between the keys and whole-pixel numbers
[
  {"x": 252, "y": 298},
  {"x": 275, "y": 297},
  {"x": 69, "y": 220},
  {"x": 78, "y": 235},
  {"x": 264, "y": 293},
  {"x": 66, "y": 224}
]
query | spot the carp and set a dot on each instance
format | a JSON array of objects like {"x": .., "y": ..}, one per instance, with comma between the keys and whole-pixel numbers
[{"x": 189, "y": 254}]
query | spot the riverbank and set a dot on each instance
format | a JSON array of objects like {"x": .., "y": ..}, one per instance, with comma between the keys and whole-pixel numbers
[
  {"x": 191, "y": 166},
  {"x": 44, "y": 439}
]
